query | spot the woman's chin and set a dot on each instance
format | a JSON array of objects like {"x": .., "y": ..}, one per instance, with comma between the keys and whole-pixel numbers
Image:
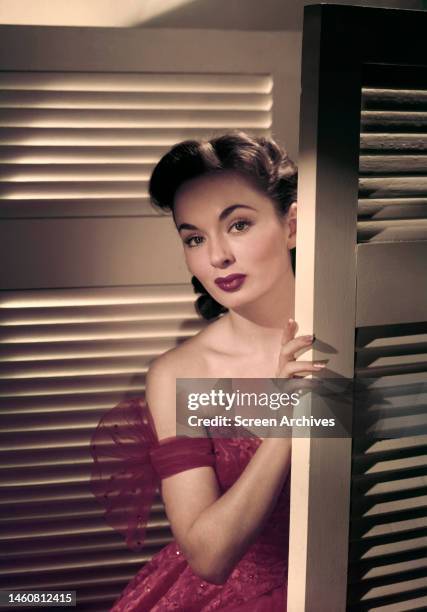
[{"x": 237, "y": 302}]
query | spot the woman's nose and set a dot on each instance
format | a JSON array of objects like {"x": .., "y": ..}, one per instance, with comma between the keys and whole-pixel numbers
[{"x": 220, "y": 253}]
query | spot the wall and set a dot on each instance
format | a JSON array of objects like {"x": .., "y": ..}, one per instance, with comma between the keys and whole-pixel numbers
[
  {"x": 283, "y": 19},
  {"x": 209, "y": 14}
]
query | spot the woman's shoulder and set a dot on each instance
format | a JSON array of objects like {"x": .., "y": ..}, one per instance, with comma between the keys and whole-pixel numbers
[{"x": 190, "y": 359}]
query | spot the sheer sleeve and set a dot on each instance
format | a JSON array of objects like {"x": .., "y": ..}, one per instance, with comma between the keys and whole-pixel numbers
[{"x": 129, "y": 463}]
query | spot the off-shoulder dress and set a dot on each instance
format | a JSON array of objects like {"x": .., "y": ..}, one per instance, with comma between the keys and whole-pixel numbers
[{"x": 129, "y": 464}]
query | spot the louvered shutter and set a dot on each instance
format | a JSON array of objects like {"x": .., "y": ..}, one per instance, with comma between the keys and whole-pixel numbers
[
  {"x": 94, "y": 286},
  {"x": 358, "y": 506},
  {"x": 78, "y": 144},
  {"x": 67, "y": 357},
  {"x": 388, "y": 521}
]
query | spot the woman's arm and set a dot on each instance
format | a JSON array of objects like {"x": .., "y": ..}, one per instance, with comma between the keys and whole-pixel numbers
[
  {"x": 223, "y": 531},
  {"x": 214, "y": 530}
]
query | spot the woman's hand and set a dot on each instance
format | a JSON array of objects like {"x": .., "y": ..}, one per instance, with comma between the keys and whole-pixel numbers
[{"x": 288, "y": 367}]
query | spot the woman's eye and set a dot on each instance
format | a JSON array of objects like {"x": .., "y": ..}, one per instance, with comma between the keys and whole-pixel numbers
[
  {"x": 193, "y": 241},
  {"x": 241, "y": 225},
  {"x": 238, "y": 226}
]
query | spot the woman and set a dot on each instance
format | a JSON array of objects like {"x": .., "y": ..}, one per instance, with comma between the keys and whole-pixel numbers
[{"x": 227, "y": 500}]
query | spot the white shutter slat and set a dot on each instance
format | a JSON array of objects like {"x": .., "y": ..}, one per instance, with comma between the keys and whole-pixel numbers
[
  {"x": 63, "y": 527},
  {"x": 125, "y": 119},
  {"x": 409, "y": 120},
  {"x": 114, "y": 137},
  {"x": 93, "y": 298},
  {"x": 57, "y": 332},
  {"x": 392, "y": 230},
  {"x": 392, "y": 142},
  {"x": 393, "y": 163},
  {"x": 44, "y": 352},
  {"x": 72, "y": 190},
  {"x": 76, "y": 172},
  {"x": 62, "y": 509},
  {"x": 137, "y": 82},
  {"x": 393, "y": 186},
  {"x": 80, "y": 402},
  {"x": 33, "y": 154},
  {"x": 395, "y": 97},
  {"x": 392, "y": 208},
  {"x": 135, "y": 100}
]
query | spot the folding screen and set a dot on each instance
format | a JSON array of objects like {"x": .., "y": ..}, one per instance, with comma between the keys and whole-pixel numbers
[{"x": 359, "y": 507}]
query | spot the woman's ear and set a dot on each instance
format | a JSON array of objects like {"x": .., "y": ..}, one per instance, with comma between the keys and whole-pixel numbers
[{"x": 292, "y": 224}]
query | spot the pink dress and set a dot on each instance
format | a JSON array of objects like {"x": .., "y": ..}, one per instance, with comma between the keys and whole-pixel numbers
[{"x": 129, "y": 466}]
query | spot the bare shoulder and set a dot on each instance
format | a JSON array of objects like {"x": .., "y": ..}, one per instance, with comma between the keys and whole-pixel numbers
[
  {"x": 191, "y": 359},
  {"x": 160, "y": 394}
]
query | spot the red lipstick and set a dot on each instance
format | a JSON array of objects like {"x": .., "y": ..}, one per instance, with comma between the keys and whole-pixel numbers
[{"x": 233, "y": 282}]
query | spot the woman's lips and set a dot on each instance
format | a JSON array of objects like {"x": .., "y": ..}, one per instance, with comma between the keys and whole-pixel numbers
[{"x": 233, "y": 282}]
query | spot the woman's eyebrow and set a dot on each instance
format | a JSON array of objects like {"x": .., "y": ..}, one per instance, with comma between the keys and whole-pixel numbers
[{"x": 223, "y": 215}]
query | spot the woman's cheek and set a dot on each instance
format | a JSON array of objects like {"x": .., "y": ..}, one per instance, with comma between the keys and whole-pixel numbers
[
  {"x": 272, "y": 247},
  {"x": 259, "y": 250},
  {"x": 195, "y": 264}
]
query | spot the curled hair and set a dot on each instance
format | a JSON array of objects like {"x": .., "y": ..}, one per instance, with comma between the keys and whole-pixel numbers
[{"x": 261, "y": 160}]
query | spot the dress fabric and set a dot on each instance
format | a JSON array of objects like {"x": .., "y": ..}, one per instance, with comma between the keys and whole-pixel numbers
[{"x": 129, "y": 463}]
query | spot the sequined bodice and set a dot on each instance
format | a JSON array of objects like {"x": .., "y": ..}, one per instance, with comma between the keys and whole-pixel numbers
[{"x": 168, "y": 583}]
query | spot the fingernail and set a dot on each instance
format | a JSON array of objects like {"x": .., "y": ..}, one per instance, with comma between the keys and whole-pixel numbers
[
  {"x": 308, "y": 338},
  {"x": 320, "y": 365},
  {"x": 291, "y": 321}
]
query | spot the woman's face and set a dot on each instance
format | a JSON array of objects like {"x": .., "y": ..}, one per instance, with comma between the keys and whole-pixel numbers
[{"x": 234, "y": 241}]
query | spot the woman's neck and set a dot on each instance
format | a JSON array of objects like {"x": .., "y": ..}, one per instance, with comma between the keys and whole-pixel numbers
[{"x": 259, "y": 326}]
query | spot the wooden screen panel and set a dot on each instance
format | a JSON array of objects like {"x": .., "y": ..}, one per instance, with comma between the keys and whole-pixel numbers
[{"x": 352, "y": 212}]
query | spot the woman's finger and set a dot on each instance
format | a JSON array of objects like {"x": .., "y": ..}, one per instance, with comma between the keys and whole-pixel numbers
[
  {"x": 289, "y": 349},
  {"x": 295, "y": 367},
  {"x": 289, "y": 331}
]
